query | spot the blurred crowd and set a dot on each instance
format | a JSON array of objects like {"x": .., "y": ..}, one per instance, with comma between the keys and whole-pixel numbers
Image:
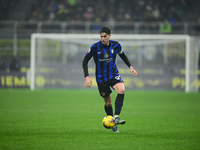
[
  {"x": 107, "y": 10},
  {"x": 13, "y": 65},
  {"x": 5, "y": 7}
]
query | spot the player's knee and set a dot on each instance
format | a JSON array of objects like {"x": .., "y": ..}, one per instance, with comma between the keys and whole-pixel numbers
[
  {"x": 121, "y": 91},
  {"x": 109, "y": 104}
]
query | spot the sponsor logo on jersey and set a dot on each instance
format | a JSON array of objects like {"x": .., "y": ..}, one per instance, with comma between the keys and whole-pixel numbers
[{"x": 107, "y": 60}]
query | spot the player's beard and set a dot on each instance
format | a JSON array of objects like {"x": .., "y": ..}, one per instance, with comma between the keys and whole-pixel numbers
[{"x": 105, "y": 43}]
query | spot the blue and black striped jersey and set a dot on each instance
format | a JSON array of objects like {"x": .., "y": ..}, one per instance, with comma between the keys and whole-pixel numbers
[{"x": 104, "y": 58}]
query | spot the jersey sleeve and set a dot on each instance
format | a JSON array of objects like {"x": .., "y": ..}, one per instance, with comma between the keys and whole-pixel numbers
[
  {"x": 120, "y": 50},
  {"x": 86, "y": 59},
  {"x": 123, "y": 56}
]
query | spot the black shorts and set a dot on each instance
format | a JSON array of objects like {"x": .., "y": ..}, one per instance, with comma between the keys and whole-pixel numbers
[{"x": 104, "y": 88}]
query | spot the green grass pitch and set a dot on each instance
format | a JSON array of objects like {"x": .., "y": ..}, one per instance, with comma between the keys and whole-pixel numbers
[{"x": 72, "y": 120}]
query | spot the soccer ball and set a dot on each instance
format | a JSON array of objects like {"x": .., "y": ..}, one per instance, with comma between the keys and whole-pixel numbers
[{"x": 108, "y": 122}]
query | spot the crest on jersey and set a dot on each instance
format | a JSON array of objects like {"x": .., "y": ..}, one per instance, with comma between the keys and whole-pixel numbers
[
  {"x": 112, "y": 51},
  {"x": 106, "y": 55}
]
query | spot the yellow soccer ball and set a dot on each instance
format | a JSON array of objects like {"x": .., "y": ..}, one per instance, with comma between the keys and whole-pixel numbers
[{"x": 108, "y": 122}]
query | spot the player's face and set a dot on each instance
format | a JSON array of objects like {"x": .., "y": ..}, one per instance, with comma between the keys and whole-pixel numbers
[{"x": 105, "y": 38}]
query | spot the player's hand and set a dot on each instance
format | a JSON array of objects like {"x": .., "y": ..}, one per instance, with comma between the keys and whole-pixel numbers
[
  {"x": 133, "y": 71},
  {"x": 88, "y": 82}
]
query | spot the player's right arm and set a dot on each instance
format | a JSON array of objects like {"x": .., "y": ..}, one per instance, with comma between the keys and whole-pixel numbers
[
  {"x": 88, "y": 82},
  {"x": 88, "y": 56}
]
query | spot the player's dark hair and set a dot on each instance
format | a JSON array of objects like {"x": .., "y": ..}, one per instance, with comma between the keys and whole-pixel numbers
[{"x": 105, "y": 30}]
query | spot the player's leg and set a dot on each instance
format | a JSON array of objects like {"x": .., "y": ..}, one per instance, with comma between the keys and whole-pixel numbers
[
  {"x": 105, "y": 91},
  {"x": 109, "y": 110},
  {"x": 108, "y": 105},
  {"x": 118, "y": 85}
]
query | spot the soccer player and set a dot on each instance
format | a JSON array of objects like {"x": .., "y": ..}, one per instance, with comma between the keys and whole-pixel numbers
[{"x": 104, "y": 53}]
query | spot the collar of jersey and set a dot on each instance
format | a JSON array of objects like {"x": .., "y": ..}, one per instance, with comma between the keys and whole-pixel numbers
[{"x": 106, "y": 46}]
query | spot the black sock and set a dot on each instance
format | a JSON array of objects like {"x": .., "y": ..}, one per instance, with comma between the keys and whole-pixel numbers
[
  {"x": 119, "y": 103},
  {"x": 109, "y": 110}
]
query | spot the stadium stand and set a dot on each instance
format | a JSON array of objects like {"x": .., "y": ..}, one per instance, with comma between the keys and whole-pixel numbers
[
  {"x": 88, "y": 16},
  {"x": 6, "y": 7},
  {"x": 19, "y": 19},
  {"x": 89, "y": 10},
  {"x": 148, "y": 13},
  {"x": 101, "y": 10}
]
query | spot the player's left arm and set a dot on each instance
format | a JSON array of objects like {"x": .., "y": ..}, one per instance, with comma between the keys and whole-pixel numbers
[
  {"x": 133, "y": 71},
  {"x": 127, "y": 62}
]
